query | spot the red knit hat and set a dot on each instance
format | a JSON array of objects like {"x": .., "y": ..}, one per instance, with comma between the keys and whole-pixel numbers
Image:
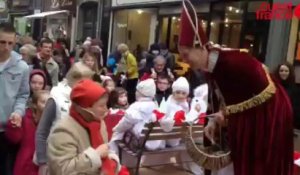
[
  {"x": 191, "y": 32},
  {"x": 86, "y": 92},
  {"x": 41, "y": 73}
]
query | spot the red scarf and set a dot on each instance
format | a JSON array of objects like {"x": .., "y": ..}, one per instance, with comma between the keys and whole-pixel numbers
[{"x": 108, "y": 166}]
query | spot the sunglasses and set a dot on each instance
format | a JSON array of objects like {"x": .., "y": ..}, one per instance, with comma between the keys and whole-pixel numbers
[{"x": 6, "y": 42}]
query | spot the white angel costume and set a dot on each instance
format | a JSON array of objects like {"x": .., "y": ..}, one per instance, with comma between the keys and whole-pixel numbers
[
  {"x": 137, "y": 115},
  {"x": 173, "y": 106},
  {"x": 134, "y": 120}
]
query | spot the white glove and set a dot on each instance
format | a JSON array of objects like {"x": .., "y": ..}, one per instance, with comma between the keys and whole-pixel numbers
[{"x": 167, "y": 124}]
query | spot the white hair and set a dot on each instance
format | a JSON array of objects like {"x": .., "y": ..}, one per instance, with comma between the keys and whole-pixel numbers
[
  {"x": 159, "y": 58},
  {"x": 29, "y": 49}
]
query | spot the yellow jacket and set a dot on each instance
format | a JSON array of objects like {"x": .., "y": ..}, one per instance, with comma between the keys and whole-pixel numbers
[{"x": 132, "y": 67}]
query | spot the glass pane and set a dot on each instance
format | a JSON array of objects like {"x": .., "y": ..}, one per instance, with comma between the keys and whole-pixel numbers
[
  {"x": 235, "y": 35},
  {"x": 254, "y": 6},
  {"x": 139, "y": 25},
  {"x": 232, "y": 24},
  {"x": 120, "y": 28},
  {"x": 298, "y": 47},
  {"x": 226, "y": 23},
  {"x": 214, "y": 31},
  {"x": 174, "y": 36},
  {"x": 256, "y": 36},
  {"x": 163, "y": 30},
  {"x": 133, "y": 27}
]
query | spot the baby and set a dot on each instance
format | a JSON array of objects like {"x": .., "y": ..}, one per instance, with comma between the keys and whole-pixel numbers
[
  {"x": 178, "y": 100},
  {"x": 176, "y": 104},
  {"x": 137, "y": 115}
]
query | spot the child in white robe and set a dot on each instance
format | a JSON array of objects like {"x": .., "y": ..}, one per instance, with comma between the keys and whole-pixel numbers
[
  {"x": 177, "y": 102},
  {"x": 137, "y": 115}
]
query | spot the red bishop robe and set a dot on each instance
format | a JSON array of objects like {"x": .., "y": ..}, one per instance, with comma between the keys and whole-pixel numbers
[{"x": 260, "y": 138}]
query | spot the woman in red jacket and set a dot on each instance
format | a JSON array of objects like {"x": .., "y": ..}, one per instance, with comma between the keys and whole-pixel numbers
[{"x": 25, "y": 134}]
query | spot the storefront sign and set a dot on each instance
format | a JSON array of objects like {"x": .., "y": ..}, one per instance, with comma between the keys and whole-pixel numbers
[
  {"x": 60, "y": 5},
  {"x": 277, "y": 11}
]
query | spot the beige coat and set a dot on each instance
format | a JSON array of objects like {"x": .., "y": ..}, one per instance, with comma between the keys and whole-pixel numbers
[{"x": 70, "y": 152}]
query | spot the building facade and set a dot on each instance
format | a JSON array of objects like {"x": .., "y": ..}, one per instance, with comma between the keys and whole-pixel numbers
[
  {"x": 60, "y": 25},
  {"x": 93, "y": 19},
  {"x": 3, "y": 11},
  {"x": 230, "y": 23},
  {"x": 20, "y": 8},
  {"x": 284, "y": 42}
]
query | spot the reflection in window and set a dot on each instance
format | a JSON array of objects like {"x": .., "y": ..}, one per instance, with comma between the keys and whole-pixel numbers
[
  {"x": 226, "y": 24},
  {"x": 164, "y": 30},
  {"x": 169, "y": 33},
  {"x": 214, "y": 31},
  {"x": 132, "y": 27},
  {"x": 175, "y": 27}
]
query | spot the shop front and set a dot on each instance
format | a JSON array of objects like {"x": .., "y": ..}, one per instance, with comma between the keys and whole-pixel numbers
[
  {"x": 134, "y": 27},
  {"x": 87, "y": 19},
  {"x": 93, "y": 20},
  {"x": 293, "y": 53},
  {"x": 229, "y": 23},
  {"x": 56, "y": 20}
]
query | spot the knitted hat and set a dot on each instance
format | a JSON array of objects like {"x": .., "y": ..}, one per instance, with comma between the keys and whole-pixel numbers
[
  {"x": 86, "y": 92},
  {"x": 147, "y": 88},
  {"x": 41, "y": 73},
  {"x": 181, "y": 84}
]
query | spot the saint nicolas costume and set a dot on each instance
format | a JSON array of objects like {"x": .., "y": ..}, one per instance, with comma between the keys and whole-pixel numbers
[{"x": 258, "y": 111}]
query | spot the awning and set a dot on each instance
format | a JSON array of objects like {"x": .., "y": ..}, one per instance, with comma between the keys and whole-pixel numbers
[{"x": 44, "y": 14}]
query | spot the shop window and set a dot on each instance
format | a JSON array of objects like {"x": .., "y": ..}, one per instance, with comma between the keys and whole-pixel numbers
[
  {"x": 255, "y": 32},
  {"x": 170, "y": 30},
  {"x": 231, "y": 37},
  {"x": 214, "y": 30},
  {"x": 21, "y": 25},
  {"x": 298, "y": 48},
  {"x": 226, "y": 24},
  {"x": 174, "y": 33},
  {"x": 254, "y": 6},
  {"x": 164, "y": 30},
  {"x": 89, "y": 19},
  {"x": 134, "y": 27},
  {"x": 57, "y": 27},
  {"x": 20, "y": 3},
  {"x": 293, "y": 55}
]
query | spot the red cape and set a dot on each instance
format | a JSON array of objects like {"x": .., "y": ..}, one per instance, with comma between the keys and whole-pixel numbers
[{"x": 260, "y": 138}]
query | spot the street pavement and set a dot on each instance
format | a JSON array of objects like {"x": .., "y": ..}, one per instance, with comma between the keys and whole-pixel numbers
[
  {"x": 176, "y": 170},
  {"x": 164, "y": 170}
]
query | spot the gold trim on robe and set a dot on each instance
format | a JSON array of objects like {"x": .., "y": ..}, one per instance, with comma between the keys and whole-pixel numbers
[{"x": 257, "y": 100}]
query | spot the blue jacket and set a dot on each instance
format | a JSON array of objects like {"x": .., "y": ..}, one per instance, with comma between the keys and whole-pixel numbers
[{"x": 14, "y": 88}]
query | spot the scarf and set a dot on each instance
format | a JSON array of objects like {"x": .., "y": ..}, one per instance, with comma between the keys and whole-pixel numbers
[{"x": 108, "y": 166}]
